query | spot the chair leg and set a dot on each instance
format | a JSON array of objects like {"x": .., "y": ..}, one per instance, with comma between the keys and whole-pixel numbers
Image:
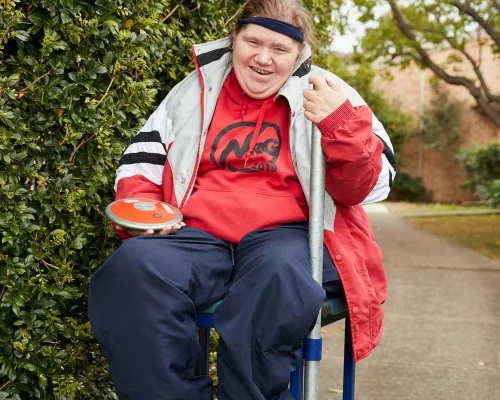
[
  {"x": 296, "y": 380},
  {"x": 203, "y": 365},
  {"x": 349, "y": 367}
]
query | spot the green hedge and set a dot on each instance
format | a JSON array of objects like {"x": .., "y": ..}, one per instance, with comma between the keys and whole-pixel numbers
[
  {"x": 482, "y": 169},
  {"x": 77, "y": 79}
]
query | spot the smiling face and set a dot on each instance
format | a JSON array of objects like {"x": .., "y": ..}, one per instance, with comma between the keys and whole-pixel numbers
[{"x": 263, "y": 60}]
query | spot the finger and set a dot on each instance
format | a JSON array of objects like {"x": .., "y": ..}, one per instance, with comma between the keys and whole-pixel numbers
[
  {"x": 165, "y": 231},
  {"x": 133, "y": 232},
  {"x": 137, "y": 232},
  {"x": 334, "y": 85},
  {"x": 175, "y": 228},
  {"x": 310, "y": 95},
  {"x": 318, "y": 82},
  {"x": 311, "y": 116},
  {"x": 309, "y": 106}
]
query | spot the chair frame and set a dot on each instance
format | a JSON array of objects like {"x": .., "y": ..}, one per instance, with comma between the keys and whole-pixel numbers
[{"x": 332, "y": 310}]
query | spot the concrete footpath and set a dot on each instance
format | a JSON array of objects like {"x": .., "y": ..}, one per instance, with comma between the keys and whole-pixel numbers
[{"x": 442, "y": 325}]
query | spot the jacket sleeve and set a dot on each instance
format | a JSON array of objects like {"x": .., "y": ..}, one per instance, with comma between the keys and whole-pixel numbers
[
  {"x": 360, "y": 163},
  {"x": 140, "y": 170}
]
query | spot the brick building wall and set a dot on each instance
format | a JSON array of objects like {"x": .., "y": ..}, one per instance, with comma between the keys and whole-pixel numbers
[{"x": 442, "y": 174}]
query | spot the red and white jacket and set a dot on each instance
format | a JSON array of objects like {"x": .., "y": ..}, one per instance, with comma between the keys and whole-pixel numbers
[{"x": 163, "y": 160}]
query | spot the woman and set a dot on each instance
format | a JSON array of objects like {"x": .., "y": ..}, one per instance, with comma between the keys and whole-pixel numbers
[{"x": 229, "y": 146}]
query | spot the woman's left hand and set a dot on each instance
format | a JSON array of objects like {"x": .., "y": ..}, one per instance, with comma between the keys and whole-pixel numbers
[{"x": 323, "y": 100}]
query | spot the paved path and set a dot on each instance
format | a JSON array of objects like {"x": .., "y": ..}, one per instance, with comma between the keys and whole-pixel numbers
[{"x": 442, "y": 326}]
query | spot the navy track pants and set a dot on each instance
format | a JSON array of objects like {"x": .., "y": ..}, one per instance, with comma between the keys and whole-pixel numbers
[{"x": 143, "y": 302}]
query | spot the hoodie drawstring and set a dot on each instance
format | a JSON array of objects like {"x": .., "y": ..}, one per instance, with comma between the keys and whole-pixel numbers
[{"x": 258, "y": 127}]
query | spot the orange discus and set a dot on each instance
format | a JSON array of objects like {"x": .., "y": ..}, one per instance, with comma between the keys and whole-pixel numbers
[{"x": 143, "y": 214}]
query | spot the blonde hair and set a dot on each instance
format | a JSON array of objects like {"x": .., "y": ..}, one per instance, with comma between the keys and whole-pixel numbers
[{"x": 291, "y": 11}]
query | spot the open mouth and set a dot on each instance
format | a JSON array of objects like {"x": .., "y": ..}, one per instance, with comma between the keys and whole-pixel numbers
[{"x": 261, "y": 72}]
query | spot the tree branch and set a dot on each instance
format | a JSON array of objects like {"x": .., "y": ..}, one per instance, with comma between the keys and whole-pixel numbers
[
  {"x": 488, "y": 28},
  {"x": 49, "y": 264},
  {"x": 23, "y": 91},
  {"x": 476, "y": 65},
  {"x": 477, "y": 70},
  {"x": 406, "y": 54},
  {"x": 236, "y": 14},
  {"x": 407, "y": 30},
  {"x": 173, "y": 10},
  {"x": 75, "y": 150},
  {"x": 107, "y": 91}
]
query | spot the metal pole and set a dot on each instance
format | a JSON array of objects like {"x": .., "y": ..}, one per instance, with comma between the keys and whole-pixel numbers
[{"x": 316, "y": 226}]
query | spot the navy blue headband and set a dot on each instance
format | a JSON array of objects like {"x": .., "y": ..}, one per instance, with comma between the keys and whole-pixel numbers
[{"x": 275, "y": 25}]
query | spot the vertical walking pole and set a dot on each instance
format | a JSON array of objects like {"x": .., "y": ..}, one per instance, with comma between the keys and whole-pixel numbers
[{"x": 316, "y": 224}]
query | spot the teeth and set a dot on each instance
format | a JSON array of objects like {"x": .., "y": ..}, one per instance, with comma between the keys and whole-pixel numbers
[{"x": 261, "y": 72}]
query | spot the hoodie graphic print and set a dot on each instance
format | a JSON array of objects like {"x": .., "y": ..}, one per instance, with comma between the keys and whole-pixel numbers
[{"x": 246, "y": 180}]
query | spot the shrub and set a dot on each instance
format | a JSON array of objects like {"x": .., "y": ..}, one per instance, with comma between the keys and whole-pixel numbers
[
  {"x": 482, "y": 168},
  {"x": 441, "y": 121},
  {"x": 77, "y": 79},
  {"x": 490, "y": 193},
  {"x": 407, "y": 188}
]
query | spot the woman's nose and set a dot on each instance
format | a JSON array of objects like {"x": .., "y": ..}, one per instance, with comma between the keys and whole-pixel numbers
[{"x": 263, "y": 57}]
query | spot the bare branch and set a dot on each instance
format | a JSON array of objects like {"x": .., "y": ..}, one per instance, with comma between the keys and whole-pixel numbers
[
  {"x": 173, "y": 10},
  {"x": 49, "y": 264},
  {"x": 406, "y": 54},
  {"x": 107, "y": 91},
  {"x": 83, "y": 142},
  {"x": 236, "y": 14},
  {"x": 488, "y": 28},
  {"x": 426, "y": 60},
  {"x": 23, "y": 91},
  {"x": 476, "y": 64},
  {"x": 477, "y": 71}
]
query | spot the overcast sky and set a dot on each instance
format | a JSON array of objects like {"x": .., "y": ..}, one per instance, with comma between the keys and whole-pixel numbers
[{"x": 345, "y": 43}]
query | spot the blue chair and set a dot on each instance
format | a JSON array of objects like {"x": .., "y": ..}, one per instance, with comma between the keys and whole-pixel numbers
[{"x": 332, "y": 310}]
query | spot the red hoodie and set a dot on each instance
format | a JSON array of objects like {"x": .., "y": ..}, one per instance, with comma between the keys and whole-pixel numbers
[{"x": 246, "y": 181}]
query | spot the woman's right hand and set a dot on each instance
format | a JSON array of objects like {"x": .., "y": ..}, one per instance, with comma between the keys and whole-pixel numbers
[{"x": 166, "y": 231}]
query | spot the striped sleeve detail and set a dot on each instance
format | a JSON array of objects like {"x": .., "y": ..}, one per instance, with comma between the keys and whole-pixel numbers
[
  {"x": 143, "y": 158},
  {"x": 147, "y": 154},
  {"x": 150, "y": 137}
]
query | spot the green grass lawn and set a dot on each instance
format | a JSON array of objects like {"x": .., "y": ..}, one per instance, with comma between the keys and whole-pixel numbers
[
  {"x": 401, "y": 208},
  {"x": 478, "y": 232}
]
